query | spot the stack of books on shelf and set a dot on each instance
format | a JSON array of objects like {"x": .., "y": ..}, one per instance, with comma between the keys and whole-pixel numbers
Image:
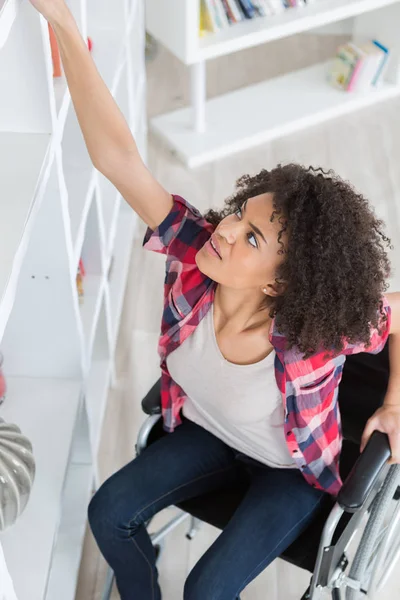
[
  {"x": 219, "y": 14},
  {"x": 79, "y": 281},
  {"x": 359, "y": 67}
]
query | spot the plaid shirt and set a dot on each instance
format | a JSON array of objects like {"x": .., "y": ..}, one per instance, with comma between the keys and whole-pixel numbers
[{"x": 309, "y": 387}]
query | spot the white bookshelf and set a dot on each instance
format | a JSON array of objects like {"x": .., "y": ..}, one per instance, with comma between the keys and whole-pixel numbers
[
  {"x": 54, "y": 209},
  {"x": 211, "y": 129}
]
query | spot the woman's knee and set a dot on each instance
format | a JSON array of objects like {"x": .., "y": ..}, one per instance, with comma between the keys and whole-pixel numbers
[
  {"x": 100, "y": 513},
  {"x": 112, "y": 511}
]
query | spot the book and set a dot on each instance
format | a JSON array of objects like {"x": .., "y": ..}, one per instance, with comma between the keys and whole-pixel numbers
[
  {"x": 228, "y": 11},
  {"x": 370, "y": 56},
  {"x": 352, "y": 80},
  {"x": 358, "y": 66},
  {"x": 79, "y": 281},
  {"x": 214, "y": 14},
  {"x": 267, "y": 8},
  {"x": 276, "y": 6},
  {"x": 247, "y": 8},
  {"x": 55, "y": 53},
  {"x": 205, "y": 24},
  {"x": 343, "y": 66},
  {"x": 237, "y": 10},
  {"x": 259, "y": 8},
  {"x": 221, "y": 14},
  {"x": 81, "y": 268},
  {"x": 382, "y": 67},
  {"x": 208, "y": 20}
]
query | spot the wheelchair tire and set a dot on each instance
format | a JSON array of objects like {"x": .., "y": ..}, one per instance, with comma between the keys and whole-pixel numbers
[{"x": 368, "y": 544}]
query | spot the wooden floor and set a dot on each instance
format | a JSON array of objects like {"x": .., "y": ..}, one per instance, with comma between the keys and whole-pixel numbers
[{"x": 363, "y": 148}]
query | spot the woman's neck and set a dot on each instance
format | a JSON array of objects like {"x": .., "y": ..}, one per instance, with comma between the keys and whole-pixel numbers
[{"x": 238, "y": 311}]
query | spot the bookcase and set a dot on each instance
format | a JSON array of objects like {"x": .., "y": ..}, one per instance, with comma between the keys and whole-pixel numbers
[
  {"x": 56, "y": 209},
  {"x": 211, "y": 129}
]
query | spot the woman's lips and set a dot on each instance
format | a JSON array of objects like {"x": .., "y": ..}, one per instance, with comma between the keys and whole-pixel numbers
[{"x": 211, "y": 250}]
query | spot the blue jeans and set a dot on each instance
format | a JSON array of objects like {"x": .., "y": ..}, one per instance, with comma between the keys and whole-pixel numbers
[{"x": 277, "y": 507}]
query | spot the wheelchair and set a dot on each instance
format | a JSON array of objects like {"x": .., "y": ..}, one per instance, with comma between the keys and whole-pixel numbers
[{"x": 365, "y": 514}]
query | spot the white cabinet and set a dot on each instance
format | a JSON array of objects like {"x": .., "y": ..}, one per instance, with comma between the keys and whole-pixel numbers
[
  {"x": 55, "y": 209},
  {"x": 212, "y": 129}
]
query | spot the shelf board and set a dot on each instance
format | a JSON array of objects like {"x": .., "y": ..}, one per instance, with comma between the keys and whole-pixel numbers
[
  {"x": 260, "y": 30},
  {"x": 79, "y": 175},
  {"x": 109, "y": 206},
  {"x": 19, "y": 153},
  {"x": 61, "y": 93},
  {"x": 96, "y": 398},
  {"x": 93, "y": 286},
  {"x": 260, "y": 113},
  {"x": 114, "y": 223},
  {"x": 120, "y": 257},
  {"x": 8, "y": 12},
  {"x": 46, "y": 411},
  {"x": 80, "y": 186},
  {"x": 67, "y": 552}
]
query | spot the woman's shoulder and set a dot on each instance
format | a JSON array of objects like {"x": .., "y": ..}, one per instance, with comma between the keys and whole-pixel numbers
[
  {"x": 299, "y": 367},
  {"x": 183, "y": 231}
]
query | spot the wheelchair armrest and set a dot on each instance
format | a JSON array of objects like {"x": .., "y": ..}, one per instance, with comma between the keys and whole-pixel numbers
[
  {"x": 151, "y": 403},
  {"x": 365, "y": 473}
]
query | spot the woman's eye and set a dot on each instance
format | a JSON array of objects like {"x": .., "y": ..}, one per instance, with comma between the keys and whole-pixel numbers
[{"x": 251, "y": 235}]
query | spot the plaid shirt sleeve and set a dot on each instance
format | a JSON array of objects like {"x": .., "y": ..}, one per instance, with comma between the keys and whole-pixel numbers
[
  {"x": 379, "y": 336},
  {"x": 182, "y": 233},
  {"x": 180, "y": 236}
]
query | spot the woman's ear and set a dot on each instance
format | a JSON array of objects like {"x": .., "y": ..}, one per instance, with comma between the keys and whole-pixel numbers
[{"x": 274, "y": 289}]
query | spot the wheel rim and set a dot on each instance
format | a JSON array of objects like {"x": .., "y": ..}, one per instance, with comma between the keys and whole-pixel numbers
[
  {"x": 387, "y": 554},
  {"x": 371, "y": 558}
]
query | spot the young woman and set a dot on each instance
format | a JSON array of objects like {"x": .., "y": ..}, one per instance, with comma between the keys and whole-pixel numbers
[{"x": 263, "y": 302}]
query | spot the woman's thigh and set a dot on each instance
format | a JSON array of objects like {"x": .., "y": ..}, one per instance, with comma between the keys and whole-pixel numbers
[
  {"x": 181, "y": 465},
  {"x": 276, "y": 509}
]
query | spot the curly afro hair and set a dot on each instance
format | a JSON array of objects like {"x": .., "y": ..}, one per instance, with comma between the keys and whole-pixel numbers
[{"x": 335, "y": 265}]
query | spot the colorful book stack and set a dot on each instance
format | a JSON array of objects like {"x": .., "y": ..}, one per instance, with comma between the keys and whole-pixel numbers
[
  {"x": 358, "y": 67},
  {"x": 216, "y": 15},
  {"x": 55, "y": 53},
  {"x": 79, "y": 281}
]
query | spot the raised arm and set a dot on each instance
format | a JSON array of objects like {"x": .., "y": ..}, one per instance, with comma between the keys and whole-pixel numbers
[{"x": 108, "y": 138}]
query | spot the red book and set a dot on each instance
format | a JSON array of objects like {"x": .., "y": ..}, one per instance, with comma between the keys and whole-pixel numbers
[
  {"x": 82, "y": 268},
  {"x": 228, "y": 11},
  {"x": 55, "y": 53}
]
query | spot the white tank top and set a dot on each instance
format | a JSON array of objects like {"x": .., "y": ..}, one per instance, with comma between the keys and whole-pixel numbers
[{"x": 239, "y": 404}]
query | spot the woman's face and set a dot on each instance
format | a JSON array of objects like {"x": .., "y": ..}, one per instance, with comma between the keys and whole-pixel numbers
[{"x": 247, "y": 246}]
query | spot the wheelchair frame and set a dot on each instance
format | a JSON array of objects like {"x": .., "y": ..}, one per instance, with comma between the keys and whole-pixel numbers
[{"x": 377, "y": 553}]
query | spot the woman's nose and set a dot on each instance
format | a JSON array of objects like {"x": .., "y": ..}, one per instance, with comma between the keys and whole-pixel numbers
[{"x": 228, "y": 233}]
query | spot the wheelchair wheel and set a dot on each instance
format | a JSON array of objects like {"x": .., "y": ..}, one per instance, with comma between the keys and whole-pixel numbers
[{"x": 379, "y": 548}]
